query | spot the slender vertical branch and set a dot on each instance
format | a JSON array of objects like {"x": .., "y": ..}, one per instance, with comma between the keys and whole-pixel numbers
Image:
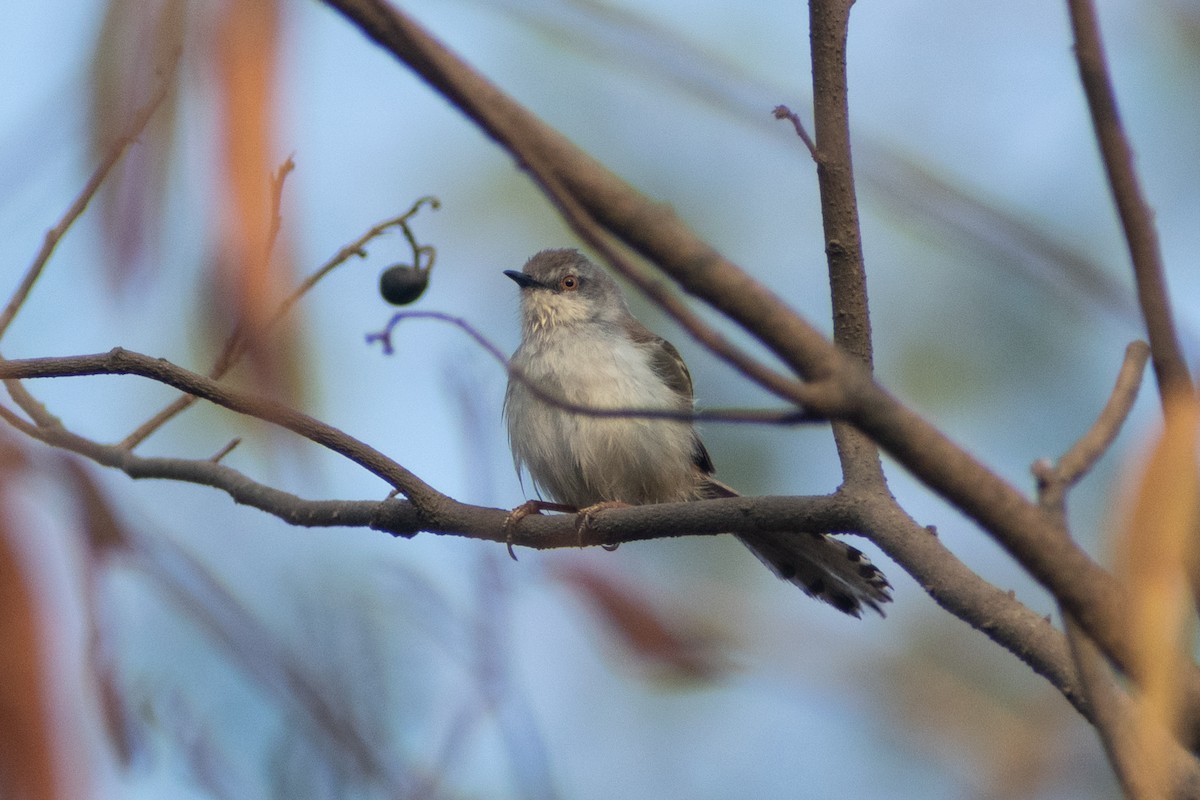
[
  {"x": 829, "y": 22},
  {"x": 1137, "y": 219}
]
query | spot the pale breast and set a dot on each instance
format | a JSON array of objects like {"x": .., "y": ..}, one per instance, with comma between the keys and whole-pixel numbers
[{"x": 582, "y": 460}]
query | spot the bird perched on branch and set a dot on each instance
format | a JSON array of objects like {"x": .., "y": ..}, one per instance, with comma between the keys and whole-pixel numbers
[{"x": 580, "y": 343}]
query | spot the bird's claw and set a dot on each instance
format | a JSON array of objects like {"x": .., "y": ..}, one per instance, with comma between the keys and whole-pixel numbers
[
  {"x": 521, "y": 512},
  {"x": 584, "y": 519}
]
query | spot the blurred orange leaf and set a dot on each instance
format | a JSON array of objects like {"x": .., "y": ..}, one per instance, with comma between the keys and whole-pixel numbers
[
  {"x": 1155, "y": 549},
  {"x": 253, "y": 270},
  {"x": 27, "y": 758}
]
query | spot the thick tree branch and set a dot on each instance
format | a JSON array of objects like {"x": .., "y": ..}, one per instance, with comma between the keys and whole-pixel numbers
[
  {"x": 1137, "y": 219},
  {"x": 962, "y": 592}
]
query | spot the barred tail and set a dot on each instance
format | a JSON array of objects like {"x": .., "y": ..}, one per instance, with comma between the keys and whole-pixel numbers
[{"x": 823, "y": 567}]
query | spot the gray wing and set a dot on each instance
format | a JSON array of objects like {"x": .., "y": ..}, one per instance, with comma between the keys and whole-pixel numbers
[
  {"x": 670, "y": 366},
  {"x": 822, "y": 566}
]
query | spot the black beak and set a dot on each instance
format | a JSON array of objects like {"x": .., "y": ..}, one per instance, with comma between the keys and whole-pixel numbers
[{"x": 523, "y": 280}]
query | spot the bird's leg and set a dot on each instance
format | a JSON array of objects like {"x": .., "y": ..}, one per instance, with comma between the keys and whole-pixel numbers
[
  {"x": 585, "y": 515},
  {"x": 524, "y": 510}
]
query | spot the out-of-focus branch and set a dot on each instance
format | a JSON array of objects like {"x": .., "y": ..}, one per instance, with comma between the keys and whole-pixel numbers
[
  {"x": 1113, "y": 717},
  {"x": 1137, "y": 219},
  {"x": 77, "y": 207}
]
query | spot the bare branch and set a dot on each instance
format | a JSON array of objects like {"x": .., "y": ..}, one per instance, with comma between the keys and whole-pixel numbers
[
  {"x": 125, "y": 362},
  {"x": 998, "y": 614},
  {"x": 1136, "y": 217},
  {"x": 951, "y": 583},
  {"x": 433, "y": 511},
  {"x": 401, "y": 518}
]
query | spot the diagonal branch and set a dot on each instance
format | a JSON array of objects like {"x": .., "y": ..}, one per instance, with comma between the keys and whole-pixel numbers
[
  {"x": 1136, "y": 217},
  {"x": 80, "y": 204}
]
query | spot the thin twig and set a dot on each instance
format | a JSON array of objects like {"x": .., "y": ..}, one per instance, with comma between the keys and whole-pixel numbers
[
  {"x": 1054, "y": 480},
  {"x": 733, "y": 415},
  {"x": 783, "y": 112},
  {"x": 278, "y": 178},
  {"x": 236, "y": 345},
  {"x": 226, "y": 450},
  {"x": 1137, "y": 219},
  {"x": 80, "y": 204},
  {"x": 29, "y": 404}
]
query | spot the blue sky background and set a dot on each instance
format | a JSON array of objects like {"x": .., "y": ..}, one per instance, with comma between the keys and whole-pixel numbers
[{"x": 995, "y": 343}]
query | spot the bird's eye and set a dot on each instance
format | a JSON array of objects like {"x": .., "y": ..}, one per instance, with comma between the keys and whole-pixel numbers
[{"x": 569, "y": 283}]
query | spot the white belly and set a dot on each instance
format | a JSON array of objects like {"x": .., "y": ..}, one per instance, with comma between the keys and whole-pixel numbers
[{"x": 581, "y": 460}]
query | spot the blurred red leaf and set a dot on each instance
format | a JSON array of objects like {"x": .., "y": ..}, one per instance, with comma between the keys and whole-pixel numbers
[
  {"x": 101, "y": 526},
  {"x": 676, "y": 645}
]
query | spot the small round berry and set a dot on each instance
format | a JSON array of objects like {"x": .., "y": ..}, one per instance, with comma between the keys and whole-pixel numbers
[{"x": 401, "y": 284}]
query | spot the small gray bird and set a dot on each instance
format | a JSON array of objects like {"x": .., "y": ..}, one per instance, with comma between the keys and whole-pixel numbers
[{"x": 580, "y": 342}]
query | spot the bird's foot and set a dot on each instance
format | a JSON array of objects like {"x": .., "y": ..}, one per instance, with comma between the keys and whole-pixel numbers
[
  {"x": 584, "y": 519},
  {"x": 524, "y": 510}
]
